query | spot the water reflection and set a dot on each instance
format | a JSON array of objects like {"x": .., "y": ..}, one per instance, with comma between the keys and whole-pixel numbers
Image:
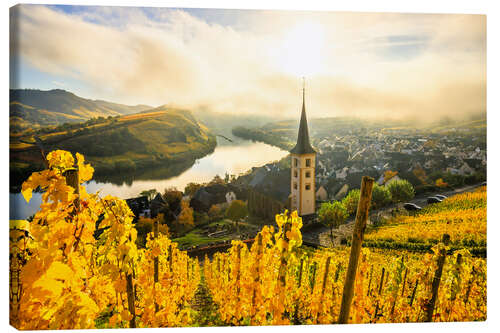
[{"x": 232, "y": 158}]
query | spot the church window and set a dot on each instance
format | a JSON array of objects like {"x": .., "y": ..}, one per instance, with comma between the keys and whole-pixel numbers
[
  {"x": 295, "y": 173},
  {"x": 294, "y": 186},
  {"x": 308, "y": 174},
  {"x": 308, "y": 162},
  {"x": 308, "y": 186},
  {"x": 295, "y": 162}
]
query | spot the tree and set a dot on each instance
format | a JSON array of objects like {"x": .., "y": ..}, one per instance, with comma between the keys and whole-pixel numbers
[
  {"x": 441, "y": 183},
  {"x": 191, "y": 188},
  {"x": 332, "y": 215},
  {"x": 350, "y": 202},
  {"x": 149, "y": 193},
  {"x": 173, "y": 198},
  {"x": 420, "y": 175},
  {"x": 217, "y": 180},
  {"x": 237, "y": 210},
  {"x": 214, "y": 212},
  {"x": 145, "y": 225},
  {"x": 401, "y": 190},
  {"x": 381, "y": 196},
  {"x": 185, "y": 218},
  {"x": 388, "y": 175}
]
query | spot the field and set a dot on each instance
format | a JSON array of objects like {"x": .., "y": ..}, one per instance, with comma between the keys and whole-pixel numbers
[{"x": 109, "y": 282}]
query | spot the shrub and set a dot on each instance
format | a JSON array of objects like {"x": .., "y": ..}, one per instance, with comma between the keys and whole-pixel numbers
[
  {"x": 381, "y": 196},
  {"x": 332, "y": 215},
  {"x": 401, "y": 190},
  {"x": 237, "y": 210},
  {"x": 350, "y": 202},
  {"x": 214, "y": 212}
]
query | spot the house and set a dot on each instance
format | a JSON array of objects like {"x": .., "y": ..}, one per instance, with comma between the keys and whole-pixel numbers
[
  {"x": 139, "y": 206},
  {"x": 230, "y": 196},
  {"x": 156, "y": 205},
  {"x": 321, "y": 194},
  {"x": 341, "y": 174},
  {"x": 465, "y": 169},
  {"x": 381, "y": 179},
  {"x": 342, "y": 192}
]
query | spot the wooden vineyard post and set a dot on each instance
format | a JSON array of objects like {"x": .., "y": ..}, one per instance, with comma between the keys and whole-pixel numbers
[
  {"x": 325, "y": 277},
  {"x": 131, "y": 300},
  {"x": 72, "y": 179},
  {"x": 457, "y": 273},
  {"x": 381, "y": 281},
  {"x": 156, "y": 265},
  {"x": 313, "y": 277},
  {"x": 337, "y": 272},
  {"x": 370, "y": 281},
  {"x": 357, "y": 240},
  {"x": 300, "y": 272},
  {"x": 170, "y": 257},
  {"x": 379, "y": 292},
  {"x": 238, "y": 260},
  {"x": 413, "y": 293},
  {"x": 404, "y": 283},
  {"x": 437, "y": 278},
  {"x": 257, "y": 274}
]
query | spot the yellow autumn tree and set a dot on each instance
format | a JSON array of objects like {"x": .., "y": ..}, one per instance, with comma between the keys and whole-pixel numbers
[
  {"x": 185, "y": 218},
  {"x": 441, "y": 183}
]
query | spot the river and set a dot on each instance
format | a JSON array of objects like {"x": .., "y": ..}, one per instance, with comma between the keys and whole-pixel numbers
[{"x": 232, "y": 158}]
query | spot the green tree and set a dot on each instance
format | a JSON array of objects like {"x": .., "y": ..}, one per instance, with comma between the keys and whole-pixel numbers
[
  {"x": 236, "y": 211},
  {"x": 332, "y": 215},
  {"x": 401, "y": 190},
  {"x": 351, "y": 200},
  {"x": 173, "y": 197},
  {"x": 381, "y": 196},
  {"x": 191, "y": 188},
  {"x": 149, "y": 193}
]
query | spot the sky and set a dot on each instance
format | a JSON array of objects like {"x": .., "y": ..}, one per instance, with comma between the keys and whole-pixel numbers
[{"x": 252, "y": 61}]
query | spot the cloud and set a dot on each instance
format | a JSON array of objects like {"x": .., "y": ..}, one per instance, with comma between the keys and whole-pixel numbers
[
  {"x": 57, "y": 83},
  {"x": 372, "y": 64}
]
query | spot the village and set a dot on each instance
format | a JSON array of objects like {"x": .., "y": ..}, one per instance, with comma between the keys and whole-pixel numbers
[{"x": 210, "y": 215}]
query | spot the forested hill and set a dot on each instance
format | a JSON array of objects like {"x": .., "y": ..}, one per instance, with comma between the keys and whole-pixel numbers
[
  {"x": 37, "y": 108},
  {"x": 159, "y": 137}
]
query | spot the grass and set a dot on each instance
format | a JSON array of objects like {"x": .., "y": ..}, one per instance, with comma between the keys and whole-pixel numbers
[{"x": 195, "y": 238}]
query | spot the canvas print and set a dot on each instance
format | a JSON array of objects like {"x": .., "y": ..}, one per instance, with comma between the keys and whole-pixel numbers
[{"x": 217, "y": 167}]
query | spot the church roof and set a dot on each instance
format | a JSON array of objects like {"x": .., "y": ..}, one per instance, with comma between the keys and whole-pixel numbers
[{"x": 303, "y": 145}]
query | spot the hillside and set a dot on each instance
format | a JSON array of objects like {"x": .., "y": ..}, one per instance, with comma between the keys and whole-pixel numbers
[
  {"x": 462, "y": 216},
  {"x": 158, "y": 138},
  {"x": 30, "y": 108}
]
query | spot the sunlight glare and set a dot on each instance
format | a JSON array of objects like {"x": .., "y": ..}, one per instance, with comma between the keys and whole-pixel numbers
[{"x": 302, "y": 49}]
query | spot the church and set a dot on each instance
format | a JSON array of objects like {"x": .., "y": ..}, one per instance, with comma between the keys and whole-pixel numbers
[{"x": 303, "y": 166}]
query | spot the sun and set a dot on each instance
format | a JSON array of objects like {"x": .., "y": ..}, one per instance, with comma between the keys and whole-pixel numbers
[{"x": 302, "y": 50}]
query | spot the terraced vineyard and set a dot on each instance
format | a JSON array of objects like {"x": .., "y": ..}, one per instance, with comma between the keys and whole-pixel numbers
[{"x": 462, "y": 216}]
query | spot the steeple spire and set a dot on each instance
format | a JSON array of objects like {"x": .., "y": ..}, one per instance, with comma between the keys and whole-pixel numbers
[
  {"x": 303, "y": 94},
  {"x": 303, "y": 145}
]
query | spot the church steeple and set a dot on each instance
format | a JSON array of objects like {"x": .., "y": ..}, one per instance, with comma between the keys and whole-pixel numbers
[{"x": 303, "y": 145}]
